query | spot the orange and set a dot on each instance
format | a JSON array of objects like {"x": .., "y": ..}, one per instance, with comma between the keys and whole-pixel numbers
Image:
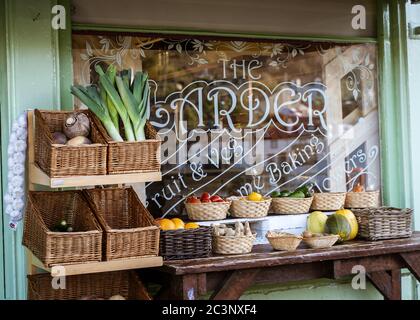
[
  {"x": 191, "y": 225},
  {"x": 179, "y": 224},
  {"x": 166, "y": 224}
]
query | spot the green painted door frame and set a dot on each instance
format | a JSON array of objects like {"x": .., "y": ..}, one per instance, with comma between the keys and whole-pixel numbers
[
  {"x": 32, "y": 50},
  {"x": 3, "y": 102},
  {"x": 30, "y": 62}
]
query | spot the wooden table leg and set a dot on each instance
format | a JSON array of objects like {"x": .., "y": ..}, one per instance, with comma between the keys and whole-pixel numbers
[
  {"x": 186, "y": 287},
  {"x": 412, "y": 260},
  {"x": 235, "y": 284},
  {"x": 388, "y": 283}
]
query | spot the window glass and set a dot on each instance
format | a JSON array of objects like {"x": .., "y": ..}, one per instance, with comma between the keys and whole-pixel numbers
[{"x": 236, "y": 115}]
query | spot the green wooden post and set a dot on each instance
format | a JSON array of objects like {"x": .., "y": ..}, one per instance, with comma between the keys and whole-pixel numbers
[
  {"x": 3, "y": 103},
  {"x": 396, "y": 144},
  {"x": 31, "y": 56}
]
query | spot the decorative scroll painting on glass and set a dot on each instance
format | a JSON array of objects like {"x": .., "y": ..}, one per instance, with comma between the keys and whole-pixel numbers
[{"x": 242, "y": 116}]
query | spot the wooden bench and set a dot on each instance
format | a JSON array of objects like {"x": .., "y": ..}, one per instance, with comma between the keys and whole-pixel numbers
[{"x": 229, "y": 276}]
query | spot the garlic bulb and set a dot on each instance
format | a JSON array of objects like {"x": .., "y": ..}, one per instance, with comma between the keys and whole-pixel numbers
[{"x": 14, "y": 198}]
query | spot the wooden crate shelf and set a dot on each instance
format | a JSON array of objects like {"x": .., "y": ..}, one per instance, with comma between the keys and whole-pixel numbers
[
  {"x": 37, "y": 176},
  {"x": 96, "y": 267}
]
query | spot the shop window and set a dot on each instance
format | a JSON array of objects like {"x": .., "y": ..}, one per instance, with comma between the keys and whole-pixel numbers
[{"x": 238, "y": 115}]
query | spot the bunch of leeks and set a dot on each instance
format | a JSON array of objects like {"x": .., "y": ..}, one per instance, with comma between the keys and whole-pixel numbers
[{"x": 118, "y": 97}]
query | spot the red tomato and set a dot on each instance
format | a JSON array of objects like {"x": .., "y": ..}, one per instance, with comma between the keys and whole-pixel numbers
[
  {"x": 216, "y": 198},
  {"x": 205, "y": 200},
  {"x": 193, "y": 200},
  {"x": 205, "y": 196}
]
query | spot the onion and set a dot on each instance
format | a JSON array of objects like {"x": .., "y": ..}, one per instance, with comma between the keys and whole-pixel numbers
[
  {"x": 59, "y": 138},
  {"x": 78, "y": 141},
  {"x": 77, "y": 124}
]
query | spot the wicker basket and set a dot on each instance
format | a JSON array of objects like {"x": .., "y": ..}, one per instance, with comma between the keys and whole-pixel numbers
[
  {"x": 369, "y": 199},
  {"x": 62, "y": 160},
  {"x": 132, "y": 157},
  {"x": 44, "y": 211},
  {"x": 284, "y": 242},
  {"x": 291, "y": 205},
  {"x": 384, "y": 223},
  {"x": 328, "y": 201},
  {"x": 232, "y": 244},
  {"x": 88, "y": 286},
  {"x": 185, "y": 243},
  {"x": 129, "y": 229},
  {"x": 242, "y": 208},
  {"x": 321, "y": 242},
  {"x": 207, "y": 211}
]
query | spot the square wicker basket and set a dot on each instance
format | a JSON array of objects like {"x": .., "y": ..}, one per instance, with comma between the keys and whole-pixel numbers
[
  {"x": 129, "y": 229},
  {"x": 384, "y": 223},
  {"x": 62, "y": 160},
  {"x": 132, "y": 157},
  {"x": 88, "y": 286},
  {"x": 44, "y": 211},
  {"x": 186, "y": 243}
]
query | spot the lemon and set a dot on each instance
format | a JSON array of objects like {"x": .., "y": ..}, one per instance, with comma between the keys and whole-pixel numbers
[
  {"x": 166, "y": 224},
  {"x": 191, "y": 225},
  {"x": 179, "y": 224},
  {"x": 254, "y": 196}
]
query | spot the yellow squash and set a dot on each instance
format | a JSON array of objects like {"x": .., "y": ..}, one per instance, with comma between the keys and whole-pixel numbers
[{"x": 351, "y": 220}]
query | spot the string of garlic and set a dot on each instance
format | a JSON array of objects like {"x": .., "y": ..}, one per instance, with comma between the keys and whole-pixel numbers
[{"x": 14, "y": 198}]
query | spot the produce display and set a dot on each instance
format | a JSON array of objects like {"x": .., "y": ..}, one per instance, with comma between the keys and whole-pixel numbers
[
  {"x": 342, "y": 223},
  {"x": 118, "y": 97},
  {"x": 175, "y": 224},
  {"x": 305, "y": 191},
  {"x": 254, "y": 196},
  {"x": 75, "y": 132},
  {"x": 205, "y": 198},
  {"x": 239, "y": 230},
  {"x": 63, "y": 226},
  {"x": 233, "y": 240},
  {"x": 316, "y": 222}
]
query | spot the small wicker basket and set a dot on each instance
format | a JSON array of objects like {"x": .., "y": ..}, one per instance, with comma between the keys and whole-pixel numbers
[
  {"x": 284, "y": 241},
  {"x": 321, "y": 242},
  {"x": 129, "y": 229},
  {"x": 232, "y": 244},
  {"x": 44, "y": 211},
  {"x": 207, "y": 211},
  {"x": 88, "y": 286},
  {"x": 185, "y": 243},
  {"x": 132, "y": 157},
  {"x": 368, "y": 199},
  {"x": 62, "y": 160},
  {"x": 243, "y": 208},
  {"x": 328, "y": 201},
  {"x": 291, "y": 205},
  {"x": 384, "y": 223}
]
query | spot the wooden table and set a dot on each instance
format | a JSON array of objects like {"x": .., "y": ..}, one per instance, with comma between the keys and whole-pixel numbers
[{"x": 229, "y": 276}]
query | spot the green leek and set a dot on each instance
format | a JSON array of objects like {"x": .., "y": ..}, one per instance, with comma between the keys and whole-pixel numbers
[
  {"x": 118, "y": 103},
  {"x": 136, "y": 109},
  {"x": 111, "y": 73},
  {"x": 90, "y": 97}
]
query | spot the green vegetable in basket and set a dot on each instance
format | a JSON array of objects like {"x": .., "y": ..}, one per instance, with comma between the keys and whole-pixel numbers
[
  {"x": 297, "y": 194},
  {"x": 117, "y": 101},
  {"x": 285, "y": 193},
  {"x": 111, "y": 72},
  {"x": 92, "y": 100}
]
